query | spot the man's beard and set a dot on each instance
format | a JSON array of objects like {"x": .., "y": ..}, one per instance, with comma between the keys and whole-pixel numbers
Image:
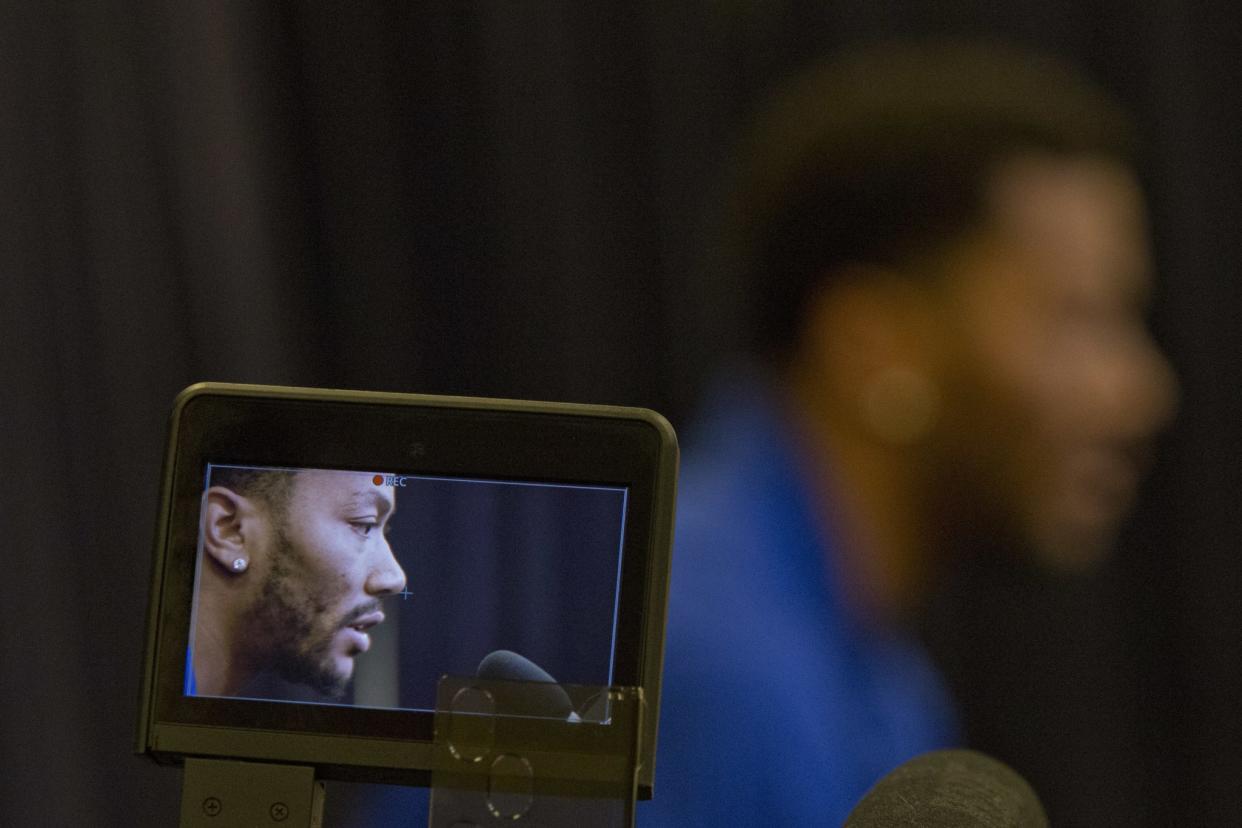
[{"x": 285, "y": 616}]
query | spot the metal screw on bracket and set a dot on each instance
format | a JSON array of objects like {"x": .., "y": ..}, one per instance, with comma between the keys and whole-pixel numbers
[
  {"x": 212, "y": 806},
  {"x": 279, "y": 812}
]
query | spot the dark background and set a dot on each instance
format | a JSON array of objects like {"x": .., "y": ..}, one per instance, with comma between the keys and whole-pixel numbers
[
  {"x": 493, "y": 566},
  {"x": 517, "y": 199}
]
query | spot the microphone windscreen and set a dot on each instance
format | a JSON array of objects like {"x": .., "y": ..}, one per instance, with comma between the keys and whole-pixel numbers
[
  {"x": 527, "y": 689},
  {"x": 506, "y": 665},
  {"x": 950, "y": 789}
]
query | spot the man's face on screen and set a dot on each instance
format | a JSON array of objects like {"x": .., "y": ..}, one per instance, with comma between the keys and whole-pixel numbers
[{"x": 329, "y": 564}]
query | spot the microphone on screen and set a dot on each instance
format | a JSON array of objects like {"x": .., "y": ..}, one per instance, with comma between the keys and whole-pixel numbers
[
  {"x": 950, "y": 789},
  {"x": 534, "y": 692}
]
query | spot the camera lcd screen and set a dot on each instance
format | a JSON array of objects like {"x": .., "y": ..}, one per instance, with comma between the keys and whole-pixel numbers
[{"x": 363, "y": 587}]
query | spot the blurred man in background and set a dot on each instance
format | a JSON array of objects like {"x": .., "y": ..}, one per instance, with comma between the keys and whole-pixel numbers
[{"x": 949, "y": 261}]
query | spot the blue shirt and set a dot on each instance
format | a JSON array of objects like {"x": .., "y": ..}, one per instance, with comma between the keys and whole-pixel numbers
[{"x": 778, "y": 708}]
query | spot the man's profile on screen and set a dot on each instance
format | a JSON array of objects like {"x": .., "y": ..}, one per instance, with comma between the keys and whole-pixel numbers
[{"x": 294, "y": 564}]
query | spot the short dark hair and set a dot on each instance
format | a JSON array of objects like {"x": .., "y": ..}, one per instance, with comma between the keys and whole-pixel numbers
[
  {"x": 271, "y": 486},
  {"x": 884, "y": 154}
]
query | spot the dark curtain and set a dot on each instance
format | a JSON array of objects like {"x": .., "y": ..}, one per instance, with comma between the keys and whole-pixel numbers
[{"x": 517, "y": 199}]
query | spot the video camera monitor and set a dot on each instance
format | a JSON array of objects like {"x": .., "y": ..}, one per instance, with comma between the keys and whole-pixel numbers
[{"x": 323, "y": 558}]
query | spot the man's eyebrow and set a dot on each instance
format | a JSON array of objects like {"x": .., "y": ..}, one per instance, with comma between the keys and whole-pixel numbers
[{"x": 362, "y": 498}]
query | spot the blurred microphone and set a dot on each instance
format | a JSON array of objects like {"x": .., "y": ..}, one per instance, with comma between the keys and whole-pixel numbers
[
  {"x": 538, "y": 694},
  {"x": 950, "y": 789}
]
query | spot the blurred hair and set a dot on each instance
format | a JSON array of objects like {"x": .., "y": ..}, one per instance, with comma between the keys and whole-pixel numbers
[{"x": 883, "y": 155}]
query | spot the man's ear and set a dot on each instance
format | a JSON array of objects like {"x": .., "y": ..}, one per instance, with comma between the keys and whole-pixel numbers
[
  {"x": 872, "y": 335},
  {"x": 230, "y": 528},
  {"x": 865, "y": 321}
]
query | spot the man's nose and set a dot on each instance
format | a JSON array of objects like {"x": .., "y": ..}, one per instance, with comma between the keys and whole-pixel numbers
[
  {"x": 1152, "y": 394},
  {"x": 386, "y": 576},
  {"x": 1133, "y": 388}
]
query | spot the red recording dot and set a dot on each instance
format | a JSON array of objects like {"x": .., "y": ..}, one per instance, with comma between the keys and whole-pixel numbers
[{"x": 378, "y": 480}]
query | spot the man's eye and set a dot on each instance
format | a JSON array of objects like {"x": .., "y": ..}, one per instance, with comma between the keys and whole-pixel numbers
[{"x": 363, "y": 527}]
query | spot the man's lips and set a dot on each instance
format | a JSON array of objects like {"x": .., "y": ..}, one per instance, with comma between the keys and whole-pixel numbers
[
  {"x": 1102, "y": 483},
  {"x": 367, "y": 621},
  {"x": 356, "y": 630}
]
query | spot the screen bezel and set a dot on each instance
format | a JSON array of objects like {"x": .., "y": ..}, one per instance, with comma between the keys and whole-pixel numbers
[{"x": 407, "y": 434}]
